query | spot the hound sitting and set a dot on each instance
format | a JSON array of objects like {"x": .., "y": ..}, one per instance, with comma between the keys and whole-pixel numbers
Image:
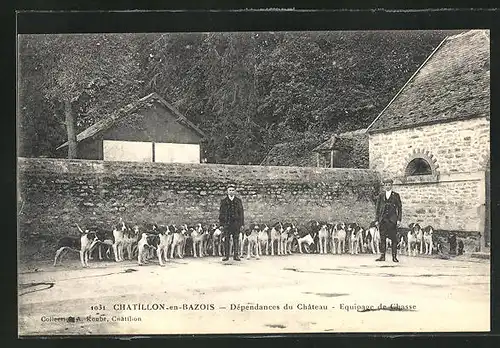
[
  {"x": 353, "y": 230},
  {"x": 427, "y": 239},
  {"x": 146, "y": 242},
  {"x": 323, "y": 238},
  {"x": 304, "y": 238},
  {"x": 437, "y": 246},
  {"x": 412, "y": 239},
  {"x": 275, "y": 234},
  {"x": 118, "y": 236},
  {"x": 402, "y": 239},
  {"x": 82, "y": 244},
  {"x": 338, "y": 238},
  {"x": 251, "y": 236},
  {"x": 263, "y": 239},
  {"x": 402, "y": 242},
  {"x": 314, "y": 227},
  {"x": 149, "y": 229}
]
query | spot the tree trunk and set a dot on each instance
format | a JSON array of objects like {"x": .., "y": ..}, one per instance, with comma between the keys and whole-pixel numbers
[{"x": 70, "y": 127}]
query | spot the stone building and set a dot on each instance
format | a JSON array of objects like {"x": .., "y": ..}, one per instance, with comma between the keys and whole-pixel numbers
[
  {"x": 147, "y": 130},
  {"x": 433, "y": 138}
]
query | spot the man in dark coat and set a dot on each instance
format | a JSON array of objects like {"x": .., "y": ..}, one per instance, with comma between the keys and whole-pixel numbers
[
  {"x": 389, "y": 213},
  {"x": 231, "y": 217}
]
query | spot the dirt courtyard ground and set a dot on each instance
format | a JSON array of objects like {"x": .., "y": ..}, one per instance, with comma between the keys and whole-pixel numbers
[{"x": 280, "y": 294}]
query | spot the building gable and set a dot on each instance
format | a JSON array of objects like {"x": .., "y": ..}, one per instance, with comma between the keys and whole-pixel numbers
[
  {"x": 154, "y": 124},
  {"x": 452, "y": 84},
  {"x": 141, "y": 109}
]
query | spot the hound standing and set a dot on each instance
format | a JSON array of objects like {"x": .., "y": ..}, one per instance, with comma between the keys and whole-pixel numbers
[
  {"x": 275, "y": 235},
  {"x": 216, "y": 240},
  {"x": 338, "y": 238},
  {"x": 427, "y": 239},
  {"x": 323, "y": 238},
  {"x": 82, "y": 244},
  {"x": 263, "y": 239},
  {"x": 118, "y": 236},
  {"x": 291, "y": 238},
  {"x": 197, "y": 236}
]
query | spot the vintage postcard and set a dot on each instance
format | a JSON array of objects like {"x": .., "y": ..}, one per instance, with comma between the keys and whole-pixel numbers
[{"x": 253, "y": 182}]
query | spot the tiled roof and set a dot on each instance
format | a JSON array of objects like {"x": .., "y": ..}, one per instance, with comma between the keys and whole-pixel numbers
[
  {"x": 453, "y": 83},
  {"x": 327, "y": 145},
  {"x": 127, "y": 109}
]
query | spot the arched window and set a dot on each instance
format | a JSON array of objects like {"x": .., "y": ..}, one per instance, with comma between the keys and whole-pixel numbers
[
  {"x": 418, "y": 166},
  {"x": 421, "y": 167}
]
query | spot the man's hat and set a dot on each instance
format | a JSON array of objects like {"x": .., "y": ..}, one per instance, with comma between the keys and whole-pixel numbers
[
  {"x": 387, "y": 181},
  {"x": 231, "y": 186}
]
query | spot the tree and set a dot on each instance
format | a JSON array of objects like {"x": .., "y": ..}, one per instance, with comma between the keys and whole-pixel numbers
[
  {"x": 85, "y": 76},
  {"x": 246, "y": 91}
]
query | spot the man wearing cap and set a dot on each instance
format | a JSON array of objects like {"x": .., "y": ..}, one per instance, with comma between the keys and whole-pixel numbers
[
  {"x": 389, "y": 213},
  {"x": 231, "y": 217}
]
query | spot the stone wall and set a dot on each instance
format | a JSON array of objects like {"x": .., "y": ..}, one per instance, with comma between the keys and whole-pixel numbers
[
  {"x": 454, "y": 197},
  {"x": 56, "y": 194},
  {"x": 449, "y": 205},
  {"x": 457, "y": 147}
]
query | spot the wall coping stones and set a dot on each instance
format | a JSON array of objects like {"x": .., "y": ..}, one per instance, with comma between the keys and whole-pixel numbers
[{"x": 217, "y": 172}]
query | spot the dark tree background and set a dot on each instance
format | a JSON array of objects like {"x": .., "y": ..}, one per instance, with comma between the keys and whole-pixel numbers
[{"x": 246, "y": 91}]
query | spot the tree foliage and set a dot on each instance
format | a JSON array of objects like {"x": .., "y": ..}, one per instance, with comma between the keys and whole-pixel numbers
[
  {"x": 247, "y": 91},
  {"x": 80, "y": 76}
]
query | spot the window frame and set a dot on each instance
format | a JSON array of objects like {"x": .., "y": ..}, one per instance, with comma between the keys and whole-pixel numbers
[
  {"x": 428, "y": 168},
  {"x": 433, "y": 177}
]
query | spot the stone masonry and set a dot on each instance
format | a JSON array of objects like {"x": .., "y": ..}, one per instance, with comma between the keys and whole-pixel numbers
[
  {"x": 459, "y": 147},
  {"x": 460, "y": 151}
]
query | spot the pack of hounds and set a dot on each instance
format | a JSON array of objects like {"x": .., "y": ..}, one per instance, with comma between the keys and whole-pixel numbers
[{"x": 163, "y": 242}]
